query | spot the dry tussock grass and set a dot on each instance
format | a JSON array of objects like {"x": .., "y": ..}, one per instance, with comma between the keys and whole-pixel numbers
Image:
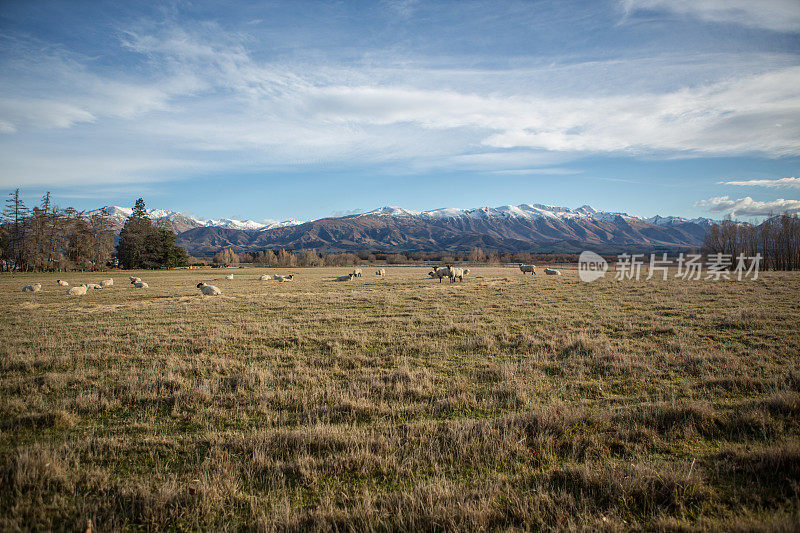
[{"x": 505, "y": 402}]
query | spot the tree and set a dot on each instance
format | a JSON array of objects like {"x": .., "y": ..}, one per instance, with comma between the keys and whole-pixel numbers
[
  {"x": 141, "y": 245},
  {"x": 15, "y": 214},
  {"x": 226, "y": 257}
]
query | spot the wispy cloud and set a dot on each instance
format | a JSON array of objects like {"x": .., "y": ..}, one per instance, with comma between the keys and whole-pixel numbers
[
  {"x": 748, "y": 207},
  {"x": 776, "y": 183},
  {"x": 777, "y": 15},
  {"x": 199, "y": 94}
]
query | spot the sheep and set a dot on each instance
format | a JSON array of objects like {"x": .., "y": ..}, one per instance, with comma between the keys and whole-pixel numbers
[
  {"x": 229, "y": 276},
  {"x": 36, "y": 287},
  {"x": 456, "y": 273},
  {"x": 134, "y": 280},
  {"x": 208, "y": 290},
  {"x": 93, "y": 286},
  {"x": 552, "y": 271},
  {"x": 107, "y": 283},
  {"x": 528, "y": 268},
  {"x": 265, "y": 277},
  {"x": 380, "y": 272},
  {"x": 439, "y": 272},
  {"x": 346, "y": 277},
  {"x": 283, "y": 279},
  {"x": 78, "y": 290},
  {"x": 140, "y": 284},
  {"x": 62, "y": 282},
  {"x": 357, "y": 273}
]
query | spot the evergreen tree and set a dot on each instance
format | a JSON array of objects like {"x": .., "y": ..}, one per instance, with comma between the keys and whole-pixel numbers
[{"x": 141, "y": 245}]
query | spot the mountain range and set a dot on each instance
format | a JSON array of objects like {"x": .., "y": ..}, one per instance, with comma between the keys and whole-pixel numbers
[{"x": 521, "y": 228}]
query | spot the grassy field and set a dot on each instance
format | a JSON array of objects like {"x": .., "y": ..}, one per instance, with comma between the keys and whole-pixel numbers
[{"x": 507, "y": 401}]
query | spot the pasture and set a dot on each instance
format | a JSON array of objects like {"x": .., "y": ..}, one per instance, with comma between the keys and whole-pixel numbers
[{"x": 508, "y": 401}]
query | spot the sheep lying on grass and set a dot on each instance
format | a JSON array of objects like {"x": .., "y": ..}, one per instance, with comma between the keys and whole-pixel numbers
[
  {"x": 62, "y": 282},
  {"x": 93, "y": 286},
  {"x": 140, "y": 284},
  {"x": 265, "y": 277},
  {"x": 528, "y": 268},
  {"x": 456, "y": 273},
  {"x": 283, "y": 279},
  {"x": 439, "y": 272},
  {"x": 229, "y": 276},
  {"x": 134, "y": 280},
  {"x": 107, "y": 283},
  {"x": 357, "y": 273},
  {"x": 552, "y": 272},
  {"x": 208, "y": 290},
  {"x": 78, "y": 290},
  {"x": 346, "y": 277},
  {"x": 36, "y": 287},
  {"x": 380, "y": 272}
]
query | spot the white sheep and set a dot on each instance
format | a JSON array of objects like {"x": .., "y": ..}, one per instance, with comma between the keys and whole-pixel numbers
[
  {"x": 62, "y": 282},
  {"x": 283, "y": 279},
  {"x": 265, "y": 277},
  {"x": 107, "y": 283},
  {"x": 456, "y": 273},
  {"x": 36, "y": 287},
  {"x": 134, "y": 280},
  {"x": 93, "y": 286},
  {"x": 78, "y": 290},
  {"x": 439, "y": 272},
  {"x": 380, "y": 272},
  {"x": 528, "y": 268},
  {"x": 140, "y": 284},
  {"x": 357, "y": 273},
  {"x": 208, "y": 290},
  {"x": 346, "y": 277},
  {"x": 229, "y": 276},
  {"x": 552, "y": 271}
]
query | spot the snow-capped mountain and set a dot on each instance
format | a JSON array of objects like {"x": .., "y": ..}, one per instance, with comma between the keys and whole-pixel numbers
[
  {"x": 513, "y": 228},
  {"x": 522, "y": 211},
  {"x": 181, "y": 222}
]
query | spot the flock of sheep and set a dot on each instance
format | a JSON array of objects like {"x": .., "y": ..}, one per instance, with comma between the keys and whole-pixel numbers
[{"x": 453, "y": 273}]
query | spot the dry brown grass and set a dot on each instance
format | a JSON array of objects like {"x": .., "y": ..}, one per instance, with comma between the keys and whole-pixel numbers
[{"x": 400, "y": 403}]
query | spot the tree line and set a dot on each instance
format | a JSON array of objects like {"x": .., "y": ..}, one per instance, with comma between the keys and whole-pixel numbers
[
  {"x": 48, "y": 238},
  {"x": 777, "y": 239}
]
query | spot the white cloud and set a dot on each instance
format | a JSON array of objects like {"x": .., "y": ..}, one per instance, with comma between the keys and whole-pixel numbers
[
  {"x": 199, "y": 95},
  {"x": 748, "y": 207},
  {"x": 777, "y": 183},
  {"x": 777, "y": 15}
]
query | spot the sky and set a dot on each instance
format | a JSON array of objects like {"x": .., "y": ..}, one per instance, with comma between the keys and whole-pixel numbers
[{"x": 294, "y": 109}]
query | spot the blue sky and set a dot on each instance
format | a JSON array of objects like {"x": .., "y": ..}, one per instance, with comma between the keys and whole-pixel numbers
[{"x": 271, "y": 110}]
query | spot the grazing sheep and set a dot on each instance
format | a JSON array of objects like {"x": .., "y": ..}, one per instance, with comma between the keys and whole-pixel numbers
[
  {"x": 78, "y": 290},
  {"x": 134, "y": 280},
  {"x": 36, "y": 287},
  {"x": 357, "y": 273},
  {"x": 456, "y": 273},
  {"x": 552, "y": 272},
  {"x": 93, "y": 286},
  {"x": 107, "y": 283},
  {"x": 380, "y": 272},
  {"x": 528, "y": 268},
  {"x": 140, "y": 284},
  {"x": 229, "y": 276},
  {"x": 439, "y": 272},
  {"x": 208, "y": 290},
  {"x": 346, "y": 277},
  {"x": 62, "y": 282}
]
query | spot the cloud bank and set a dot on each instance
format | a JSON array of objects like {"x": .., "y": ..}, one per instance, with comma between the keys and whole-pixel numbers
[{"x": 748, "y": 207}]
